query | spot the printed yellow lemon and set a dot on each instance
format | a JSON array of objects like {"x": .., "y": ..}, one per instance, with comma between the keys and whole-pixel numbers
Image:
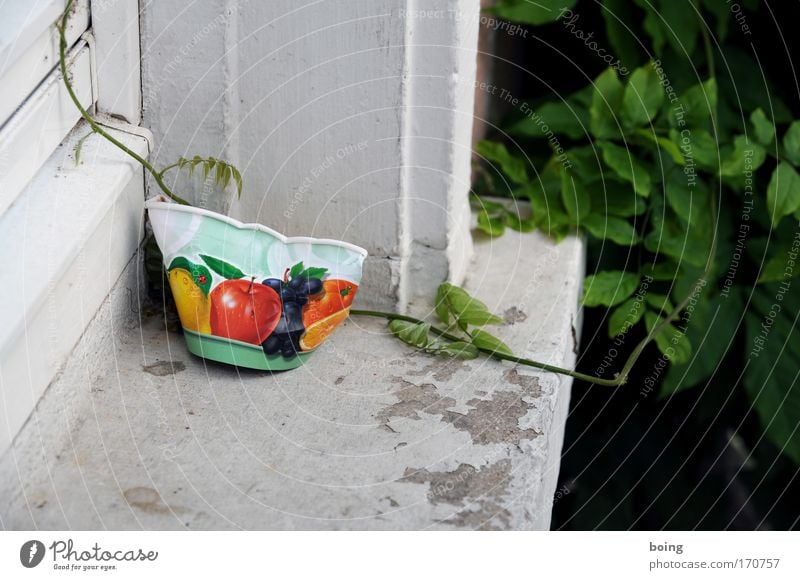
[
  {"x": 194, "y": 307},
  {"x": 316, "y": 334}
]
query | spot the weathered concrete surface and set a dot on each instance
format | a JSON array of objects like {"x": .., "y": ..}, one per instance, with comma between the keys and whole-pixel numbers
[{"x": 137, "y": 433}]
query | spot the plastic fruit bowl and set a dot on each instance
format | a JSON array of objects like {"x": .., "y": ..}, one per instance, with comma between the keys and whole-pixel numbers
[{"x": 248, "y": 296}]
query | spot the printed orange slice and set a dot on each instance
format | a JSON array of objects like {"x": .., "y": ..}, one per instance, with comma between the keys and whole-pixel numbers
[{"x": 316, "y": 334}]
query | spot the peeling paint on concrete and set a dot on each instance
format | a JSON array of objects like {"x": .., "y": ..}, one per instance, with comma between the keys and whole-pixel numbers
[
  {"x": 514, "y": 315},
  {"x": 414, "y": 399},
  {"x": 442, "y": 369},
  {"x": 164, "y": 368},
  {"x": 469, "y": 487},
  {"x": 496, "y": 420}
]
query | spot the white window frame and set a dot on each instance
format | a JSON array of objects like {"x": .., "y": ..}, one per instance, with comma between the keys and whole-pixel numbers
[{"x": 67, "y": 230}]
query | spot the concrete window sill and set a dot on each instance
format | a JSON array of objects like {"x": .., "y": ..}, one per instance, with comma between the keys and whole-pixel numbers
[{"x": 137, "y": 433}]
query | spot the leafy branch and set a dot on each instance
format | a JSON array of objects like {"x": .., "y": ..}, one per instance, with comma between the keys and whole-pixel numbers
[
  {"x": 455, "y": 305},
  {"x": 224, "y": 172}
]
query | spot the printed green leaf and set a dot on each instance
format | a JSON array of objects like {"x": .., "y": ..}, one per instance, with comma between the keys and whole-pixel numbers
[
  {"x": 314, "y": 272},
  {"x": 642, "y": 97},
  {"x": 783, "y": 192},
  {"x": 763, "y": 128},
  {"x": 411, "y": 333},
  {"x": 296, "y": 270},
  {"x": 606, "y": 103},
  {"x": 513, "y": 167},
  {"x": 199, "y": 273},
  {"x": 483, "y": 339},
  {"x": 624, "y": 164},
  {"x": 625, "y": 316},
  {"x": 609, "y": 288},
  {"x": 222, "y": 268}
]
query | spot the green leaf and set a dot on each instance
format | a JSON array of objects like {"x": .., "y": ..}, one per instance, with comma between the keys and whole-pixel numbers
[
  {"x": 513, "y": 167},
  {"x": 686, "y": 245},
  {"x": 791, "y": 143},
  {"x": 625, "y": 165},
  {"x": 746, "y": 156},
  {"x": 222, "y": 268},
  {"x": 659, "y": 301},
  {"x": 771, "y": 383},
  {"x": 616, "y": 229},
  {"x": 575, "y": 197},
  {"x": 442, "y": 308},
  {"x": 642, "y": 97},
  {"x": 200, "y": 274},
  {"x": 458, "y": 349},
  {"x": 668, "y": 146},
  {"x": 670, "y": 341},
  {"x": 414, "y": 334},
  {"x": 696, "y": 105},
  {"x": 721, "y": 14},
  {"x": 609, "y": 288},
  {"x": 652, "y": 25},
  {"x": 296, "y": 270},
  {"x": 606, "y": 103},
  {"x": 466, "y": 309},
  {"x": 625, "y": 316},
  {"x": 526, "y": 12},
  {"x": 515, "y": 222},
  {"x": 688, "y": 199},
  {"x": 697, "y": 145},
  {"x": 562, "y": 118},
  {"x": 712, "y": 327},
  {"x": 491, "y": 224},
  {"x": 619, "y": 20},
  {"x": 777, "y": 267},
  {"x": 681, "y": 25},
  {"x": 484, "y": 340},
  {"x": 783, "y": 192},
  {"x": 661, "y": 271},
  {"x": 617, "y": 199},
  {"x": 763, "y": 128}
]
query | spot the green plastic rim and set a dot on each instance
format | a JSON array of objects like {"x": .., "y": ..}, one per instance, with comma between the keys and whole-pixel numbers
[{"x": 237, "y": 353}]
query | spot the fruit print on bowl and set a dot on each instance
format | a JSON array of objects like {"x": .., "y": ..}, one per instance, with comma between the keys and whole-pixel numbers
[{"x": 248, "y": 296}]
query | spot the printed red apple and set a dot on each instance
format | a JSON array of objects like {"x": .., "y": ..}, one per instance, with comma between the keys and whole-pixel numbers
[{"x": 244, "y": 311}]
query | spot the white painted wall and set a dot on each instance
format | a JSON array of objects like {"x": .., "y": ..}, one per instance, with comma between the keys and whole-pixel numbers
[{"x": 348, "y": 118}]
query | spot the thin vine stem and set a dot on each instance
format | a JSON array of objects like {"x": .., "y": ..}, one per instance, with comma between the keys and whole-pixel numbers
[{"x": 158, "y": 176}]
